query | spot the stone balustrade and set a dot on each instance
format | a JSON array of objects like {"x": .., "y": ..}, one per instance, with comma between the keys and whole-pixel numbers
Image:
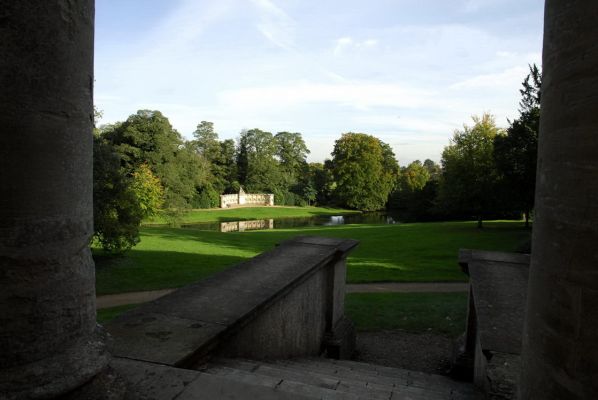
[
  {"x": 287, "y": 302},
  {"x": 246, "y": 199}
]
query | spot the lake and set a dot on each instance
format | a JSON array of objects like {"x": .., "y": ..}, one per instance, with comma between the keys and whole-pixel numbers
[{"x": 381, "y": 218}]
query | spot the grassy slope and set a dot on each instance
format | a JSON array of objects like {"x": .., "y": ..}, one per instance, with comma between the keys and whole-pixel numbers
[
  {"x": 440, "y": 313},
  {"x": 249, "y": 213},
  {"x": 171, "y": 257}
]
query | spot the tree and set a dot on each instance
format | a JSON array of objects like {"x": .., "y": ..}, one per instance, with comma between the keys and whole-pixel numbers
[
  {"x": 415, "y": 192},
  {"x": 415, "y": 176},
  {"x": 206, "y": 141},
  {"x": 516, "y": 152},
  {"x": 363, "y": 168},
  {"x": 469, "y": 175},
  {"x": 434, "y": 169},
  {"x": 147, "y": 137},
  {"x": 258, "y": 169},
  {"x": 291, "y": 152},
  {"x": 120, "y": 200},
  {"x": 228, "y": 165},
  {"x": 148, "y": 190}
]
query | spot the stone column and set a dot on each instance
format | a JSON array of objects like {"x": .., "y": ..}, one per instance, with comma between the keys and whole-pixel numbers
[
  {"x": 560, "y": 344},
  {"x": 48, "y": 339}
]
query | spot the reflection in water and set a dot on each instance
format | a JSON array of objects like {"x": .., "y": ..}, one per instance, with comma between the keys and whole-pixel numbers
[
  {"x": 287, "y": 223},
  {"x": 240, "y": 226}
]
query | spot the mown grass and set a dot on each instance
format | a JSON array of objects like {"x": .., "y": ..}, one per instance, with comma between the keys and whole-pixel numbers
[
  {"x": 419, "y": 252},
  {"x": 249, "y": 213},
  {"x": 438, "y": 313},
  {"x": 106, "y": 314}
]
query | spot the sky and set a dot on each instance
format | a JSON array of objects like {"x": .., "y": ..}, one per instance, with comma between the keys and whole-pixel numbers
[{"x": 409, "y": 72}]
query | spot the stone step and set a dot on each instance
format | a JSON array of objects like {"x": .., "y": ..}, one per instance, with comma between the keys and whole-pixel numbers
[
  {"x": 400, "y": 378},
  {"x": 281, "y": 385},
  {"x": 383, "y": 375},
  {"x": 331, "y": 379}
]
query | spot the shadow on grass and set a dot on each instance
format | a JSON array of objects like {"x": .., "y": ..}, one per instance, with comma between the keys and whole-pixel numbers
[
  {"x": 438, "y": 313},
  {"x": 151, "y": 270}
]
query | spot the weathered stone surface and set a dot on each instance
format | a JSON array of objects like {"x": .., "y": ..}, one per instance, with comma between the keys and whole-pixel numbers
[
  {"x": 294, "y": 326},
  {"x": 329, "y": 379},
  {"x": 499, "y": 292},
  {"x": 275, "y": 305},
  {"x": 503, "y": 375},
  {"x": 147, "y": 381},
  {"x": 160, "y": 338},
  {"x": 48, "y": 339},
  {"x": 561, "y": 329},
  {"x": 211, "y": 387}
]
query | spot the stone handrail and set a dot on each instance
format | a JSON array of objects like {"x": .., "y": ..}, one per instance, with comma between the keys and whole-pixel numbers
[{"x": 287, "y": 302}]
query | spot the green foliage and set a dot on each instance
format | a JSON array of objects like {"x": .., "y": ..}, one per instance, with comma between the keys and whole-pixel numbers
[
  {"x": 516, "y": 152},
  {"x": 364, "y": 169},
  {"x": 147, "y": 137},
  {"x": 531, "y": 94},
  {"x": 416, "y": 190},
  {"x": 414, "y": 177},
  {"x": 148, "y": 191},
  {"x": 258, "y": 169},
  {"x": 206, "y": 197},
  {"x": 116, "y": 209},
  {"x": 469, "y": 177}
]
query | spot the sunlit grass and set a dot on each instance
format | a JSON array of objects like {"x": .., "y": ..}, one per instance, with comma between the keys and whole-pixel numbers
[{"x": 420, "y": 252}]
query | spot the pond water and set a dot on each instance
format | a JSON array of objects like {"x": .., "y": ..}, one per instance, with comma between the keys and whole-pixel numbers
[{"x": 382, "y": 218}]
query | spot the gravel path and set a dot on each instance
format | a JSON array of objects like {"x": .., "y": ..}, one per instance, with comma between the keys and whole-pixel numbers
[
  {"x": 424, "y": 352},
  {"x": 113, "y": 300},
  {"x": 407, "y": 287}
]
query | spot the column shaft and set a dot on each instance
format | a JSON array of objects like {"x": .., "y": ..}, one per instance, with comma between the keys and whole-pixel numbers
[{"x": 560, "y": 345}]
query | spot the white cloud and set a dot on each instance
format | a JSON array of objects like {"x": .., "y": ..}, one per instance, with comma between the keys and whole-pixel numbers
[
  {"x": 341, "y": 44},
  {"x": 361, "y": 95},
  {"x": 344, "y": 43},
  {"x": 275, "y": 24},
  {"x": 506, "y": 78}
]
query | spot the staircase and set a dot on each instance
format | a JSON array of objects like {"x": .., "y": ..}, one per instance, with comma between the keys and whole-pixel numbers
[{"x": 318, "y": 378}]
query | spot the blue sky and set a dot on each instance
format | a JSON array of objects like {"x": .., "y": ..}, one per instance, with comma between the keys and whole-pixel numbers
[{"x": 409, "y": 72}]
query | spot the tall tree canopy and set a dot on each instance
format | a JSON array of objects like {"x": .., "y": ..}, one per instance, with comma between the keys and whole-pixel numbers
[
  {"x": 516, "y": 152},
  {"x": 148, "y": 137},
  {"x": 364, "y": 169},
  {"x": 469, "y": 177},
  {"x": 258, "y": 169}
]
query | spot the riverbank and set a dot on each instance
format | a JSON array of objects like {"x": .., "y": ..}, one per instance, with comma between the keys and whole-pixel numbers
[{"x": 248, "y": 213}]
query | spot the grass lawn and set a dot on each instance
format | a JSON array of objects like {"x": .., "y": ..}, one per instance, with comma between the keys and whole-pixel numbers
[
  {"x": 106, "y": 314},
  {"x": 419, "y": 252},
  {"x": 439, "y": 313},
  {"x": 249, "y": 213}
]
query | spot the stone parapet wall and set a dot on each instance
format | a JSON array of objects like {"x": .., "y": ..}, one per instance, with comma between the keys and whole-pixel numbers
[{"x": 287, "y": 302}]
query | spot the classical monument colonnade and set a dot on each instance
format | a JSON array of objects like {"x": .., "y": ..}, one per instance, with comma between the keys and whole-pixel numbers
[{"x": 49, "y": 343}]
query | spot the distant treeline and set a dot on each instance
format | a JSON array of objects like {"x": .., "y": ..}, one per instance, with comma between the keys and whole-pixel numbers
[{"x": 143, "y": 165}]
